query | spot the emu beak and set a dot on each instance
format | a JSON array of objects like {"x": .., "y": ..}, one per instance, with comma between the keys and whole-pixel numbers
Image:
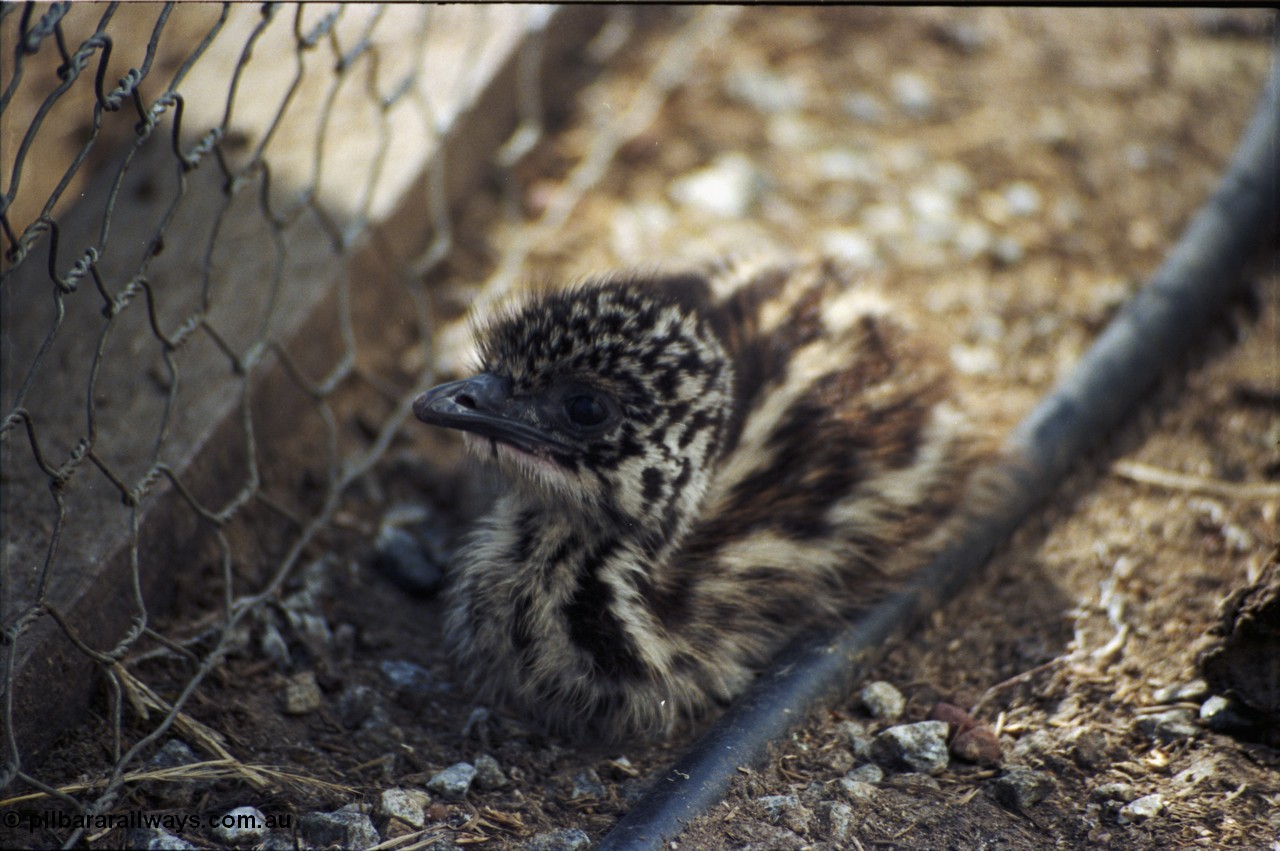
[{"x": 483, "y": 404}]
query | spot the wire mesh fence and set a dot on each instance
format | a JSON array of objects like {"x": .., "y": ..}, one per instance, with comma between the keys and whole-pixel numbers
[
  {"x": 235, "y": 239},
  {"x": 191, "y": 193}
]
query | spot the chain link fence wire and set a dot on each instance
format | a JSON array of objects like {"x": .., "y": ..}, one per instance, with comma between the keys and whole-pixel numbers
[{"x": 208, "y": 212}]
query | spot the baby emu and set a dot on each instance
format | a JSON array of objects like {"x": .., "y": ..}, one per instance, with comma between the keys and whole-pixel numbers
[{"x": 703, "y": 465}]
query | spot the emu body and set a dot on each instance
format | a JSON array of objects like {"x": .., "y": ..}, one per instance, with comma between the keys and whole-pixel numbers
[{"x": 702, "y": 465}]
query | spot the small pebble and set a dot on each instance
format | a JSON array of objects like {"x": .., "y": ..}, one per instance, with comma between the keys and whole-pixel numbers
[
  {"x": 1142, "y": 809},
  {"x": 344, "y": 829},
  {"x": 765, "y": 91},
  {"x": 1022, "y": 788},
  {"x": 565, "y": 839},
  {"x": 489, "y": 774},
  {"x": 851, "y": 247},
  {"x": 175, "y": 753},
  {"x": 978, "y": 745},
  {"x": 1191, "y": 692},
  {"x": 302, "y": 694},
  {"x": 787, "y": 811},
  {"x": 356, "y": 704},
  {"x": 407, "y": 562},
  {"x": 156, "y": 839},
  {"x": 1114, "y": 791},
  {"x": 1007, "y": 251},
  {"x": 913, "y": 94},
  {"x": 790, "y": 131},
  {"x": 412, "y": 678},
  {"x": 1223, "y": 715},
  {"x": 408, "y": 805},
  {"x": 858, "y": 738},
  {"x": 1167, "y": 727},
  {"x": 728, "y": 187},
  {"x": 274, "y": 647},
  {"x": 914, "y": 782},
  {"x": 1022, "y": 199},
  {"x": 864, "y": 107},
  {"x": 835, "y": 819},
  {"x": 956, "y": 718},
  {"x": 856, "y": 790},
  {"x": 964, "y": 36},
  {"x": 846, "y": 165},
  {"x": 241, "y": 826},
  {"x": 869, "y": 773},
  {"x": 586, "y": 784},
  {"x": 452, "y": 783},
  {"x": 920, "y": 747},
  {"x": 1089, "y": 748}
]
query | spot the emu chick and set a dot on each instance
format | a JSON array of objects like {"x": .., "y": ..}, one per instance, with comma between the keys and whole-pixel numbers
[{"x": 702, "y": 465}]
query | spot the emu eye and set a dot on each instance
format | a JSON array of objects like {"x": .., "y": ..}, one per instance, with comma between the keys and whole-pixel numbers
[{"x": 585, "y": 411}]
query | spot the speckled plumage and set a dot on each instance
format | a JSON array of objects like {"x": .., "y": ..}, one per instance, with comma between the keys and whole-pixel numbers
[{"x": 766, "y": 448}]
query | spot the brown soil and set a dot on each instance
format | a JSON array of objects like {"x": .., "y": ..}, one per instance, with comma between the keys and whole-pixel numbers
[{"x": 1119, "y": 122}]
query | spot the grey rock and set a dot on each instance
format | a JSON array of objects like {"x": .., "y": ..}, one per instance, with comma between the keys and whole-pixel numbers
[
  {"x": 156, "y": 839},
  {"x": 768, "y": 837},
  {"x": 1114, "y": 792},
  {"x": 1223, "y": 715},
  {"x": 967, "y": 37},
  {"x": 343, "y": 828},
  {"x": 864, "y": 107},
  {"x": 403, "y": 559},
  {"x": 1142, "y": 809},
  {"x": 586, "y": 784},
  {"x": 278, "y": 840},
  {"x": 787, "y": 811},
  {"x": 1213, "y": 707},
  {"x": 240, "y": 826},
  {"x": 913, "y": 94},
  {"x": 914, "y": 782},
  {"x": 565, "y": 839},
  {"x": 412, "y": 678},
  {"x": 408, "y": 805},
  {"x": 489, "y": 774},
  {"x": 858, "y": 738},
  {"x": 920, "y": 747},
  {"x": 729, "y": 187},
  {"x": 1189, "y": 692},
  {"x": 883, "y": 701},
  {"x": 1022, "y": 788},
  {"x": 1088, "y": 748},
  {"x": 1007, "y": 251},
  {"x": 174, "y": 754},
  {"x": 1167, "y": 727},
  {"x": 274, "y": 647},
  {"x": 1022, "y": 199},
  {"x": 302, "y": 694},
  {"x": 835, "y": 820},
  {"x": 765, "y": 91},
  {"x": 357, "y": 705},
  {"x": 856, "y": 790},
  {"x": 869, "y": 773},
  {"x": 452, "y": 783}
]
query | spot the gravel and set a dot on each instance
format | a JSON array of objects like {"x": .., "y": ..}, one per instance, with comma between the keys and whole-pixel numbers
[
  {"x": 344, "y": 828},
  {"x": 1146, "y": 807},
  {"x": 241, "y": 826},
  {"x": 919, "y": 747},
  {"x": 452, "y": 783},
  {"x": 883, "y": 701},
  {"x": 1022, "y": 788}
]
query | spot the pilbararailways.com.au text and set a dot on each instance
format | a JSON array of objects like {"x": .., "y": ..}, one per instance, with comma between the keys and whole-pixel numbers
[{"x": 172, "y": 822}]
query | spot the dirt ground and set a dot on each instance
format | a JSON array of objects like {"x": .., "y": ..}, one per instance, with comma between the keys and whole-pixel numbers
[{"x": 1011, "y": 176}]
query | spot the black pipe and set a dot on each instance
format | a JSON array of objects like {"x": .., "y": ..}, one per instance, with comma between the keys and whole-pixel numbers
[{"x": 1189, "y": 291}]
